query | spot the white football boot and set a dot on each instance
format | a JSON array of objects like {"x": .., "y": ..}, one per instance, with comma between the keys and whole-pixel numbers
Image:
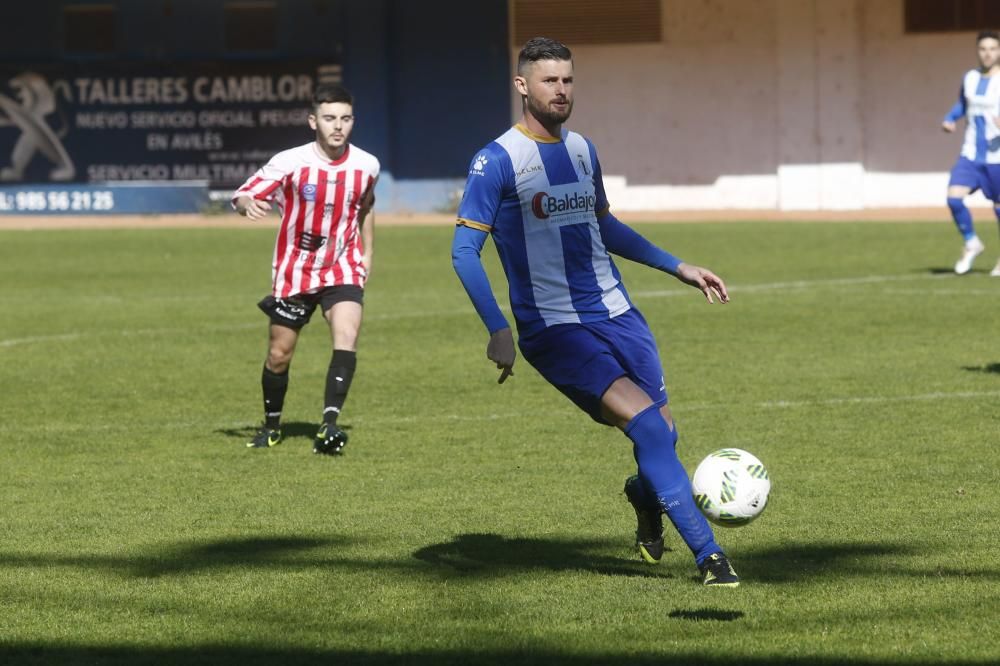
[
  {"x": 973, "y": 248},
  {"x": 996, "y": 270}
]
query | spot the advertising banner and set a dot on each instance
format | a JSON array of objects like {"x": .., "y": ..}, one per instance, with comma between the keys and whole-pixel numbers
[{"x": 140, "y": 122}]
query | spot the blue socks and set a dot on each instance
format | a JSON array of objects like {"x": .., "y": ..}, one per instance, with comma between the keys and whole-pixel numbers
[
  {"x": 664, "y": 477},
  {"x": 963, "y": 218}
]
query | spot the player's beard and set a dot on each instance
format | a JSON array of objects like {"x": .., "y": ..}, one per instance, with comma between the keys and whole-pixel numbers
[{"x": 549, "y": 116}]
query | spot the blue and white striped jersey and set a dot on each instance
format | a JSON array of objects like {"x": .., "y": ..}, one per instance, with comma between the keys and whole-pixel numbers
[
  {"x": 979, "y": 101},
  {"x": 540, "y": 199}
]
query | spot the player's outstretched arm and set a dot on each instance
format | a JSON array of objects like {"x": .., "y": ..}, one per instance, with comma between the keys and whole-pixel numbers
[
  {"x": 708, "y": 282},
  {"x": 624, "y": 241},
  {"x": 465, "y": 257}
]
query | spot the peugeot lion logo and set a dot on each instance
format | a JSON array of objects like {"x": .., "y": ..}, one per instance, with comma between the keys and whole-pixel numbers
[{"x": 36, "y": 101}]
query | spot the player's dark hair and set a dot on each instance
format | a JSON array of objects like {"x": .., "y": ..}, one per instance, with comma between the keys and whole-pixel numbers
[
  {"x": 329, "y": 93},
  {"x": 541, "y": 48},
  {"x": 987, "y": 34}
]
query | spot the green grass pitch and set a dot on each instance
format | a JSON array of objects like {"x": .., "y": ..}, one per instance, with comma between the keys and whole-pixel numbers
[{"x": 471, "y": 523}]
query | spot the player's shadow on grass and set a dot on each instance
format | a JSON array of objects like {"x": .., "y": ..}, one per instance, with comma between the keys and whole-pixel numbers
[
  {"x": 703, "y": 614},
  {"x": 988, "y": 368},
  {"x": 189, "y": 558},
  {"x": 944, "y": 270},
  {"x": 807, "y": 563},
  {"x": 290, "y": 430},
  {"x": 495, "y": 555}
]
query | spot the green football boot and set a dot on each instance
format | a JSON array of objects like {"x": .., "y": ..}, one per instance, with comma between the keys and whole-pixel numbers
[
  {"x": 716, "y": 570},
  {"x": 265, "y": 438},
  {"x": 649, "y": 527}
]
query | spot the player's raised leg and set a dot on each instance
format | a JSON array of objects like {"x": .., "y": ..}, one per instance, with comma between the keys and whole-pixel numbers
[
  {"x": 662, "y": 475},
  {"x": 344, "y": 318},
  {"x": 274, "y": 383}
]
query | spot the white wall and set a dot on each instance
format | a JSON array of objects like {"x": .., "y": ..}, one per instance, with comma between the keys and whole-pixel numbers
[{"x": 774, "y": 104}]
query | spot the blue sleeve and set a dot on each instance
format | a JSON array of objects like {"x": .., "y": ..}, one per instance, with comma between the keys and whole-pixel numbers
[
  {"x": 484, "y": 188},
  {"x": 957, "y": 111},
  {"x": 465, "y": 248},
  {"x": 622, "y": 240}
]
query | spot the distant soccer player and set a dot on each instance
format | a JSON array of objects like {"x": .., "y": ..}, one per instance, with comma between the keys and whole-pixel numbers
[
  {"x": 324, "y": 191},
  {"x": 538, "y": 191},
  {"x": 978, "y": 165}
]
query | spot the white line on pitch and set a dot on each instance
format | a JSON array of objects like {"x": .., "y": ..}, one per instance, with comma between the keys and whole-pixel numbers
[
  {"x": 568, "y": 412},
  {"x": 737, "y": 289},
  {"x": 856, "y": 400},
  {"x": 944, "y": 292},
  {"x": 14, "y": 342},
  {"x": 802, "y": 284},
  {"x": 681, "y": 408}
]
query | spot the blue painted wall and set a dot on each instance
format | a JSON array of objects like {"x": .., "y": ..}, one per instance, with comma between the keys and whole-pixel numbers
[{"x": 450, "y": 83}]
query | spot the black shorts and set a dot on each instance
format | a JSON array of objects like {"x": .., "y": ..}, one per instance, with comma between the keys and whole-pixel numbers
[{"x": 296, "y": 311}]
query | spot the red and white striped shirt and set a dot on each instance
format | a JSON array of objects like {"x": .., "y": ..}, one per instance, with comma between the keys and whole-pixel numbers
[{"x": 319, "y": 242}]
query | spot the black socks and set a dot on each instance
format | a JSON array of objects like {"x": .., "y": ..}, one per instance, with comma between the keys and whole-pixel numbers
[
  {"x": 275, "y": 386},
  {"x": 338, "y": 381}
]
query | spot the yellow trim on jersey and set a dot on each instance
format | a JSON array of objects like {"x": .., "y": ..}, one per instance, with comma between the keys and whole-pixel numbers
[
  {"x": 604, "y": 211},
  {"x": 472, "y": 224},
  {"x": 535, "y": 137}
]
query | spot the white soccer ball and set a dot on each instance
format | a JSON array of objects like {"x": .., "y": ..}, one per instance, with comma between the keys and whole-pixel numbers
[{"x": 730, "y": 487}]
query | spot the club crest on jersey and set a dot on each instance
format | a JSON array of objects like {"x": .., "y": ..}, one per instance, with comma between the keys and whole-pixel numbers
[
  {"x": 544, "y": 205},
  {"x": 309, "y": 192}
]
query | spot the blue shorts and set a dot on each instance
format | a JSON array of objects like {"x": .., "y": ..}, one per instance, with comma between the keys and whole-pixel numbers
[
  {"x": 977, "y": 176},
  {"x": 583, "y": 360}
]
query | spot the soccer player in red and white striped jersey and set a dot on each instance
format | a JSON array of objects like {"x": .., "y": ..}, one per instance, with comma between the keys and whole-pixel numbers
[{"x": 324, "y": 192}]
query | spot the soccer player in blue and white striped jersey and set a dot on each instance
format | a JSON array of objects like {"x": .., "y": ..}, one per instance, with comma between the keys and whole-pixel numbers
[
  {"x": 538, "y": 191},
  {"x": 978, "y": 165}
]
